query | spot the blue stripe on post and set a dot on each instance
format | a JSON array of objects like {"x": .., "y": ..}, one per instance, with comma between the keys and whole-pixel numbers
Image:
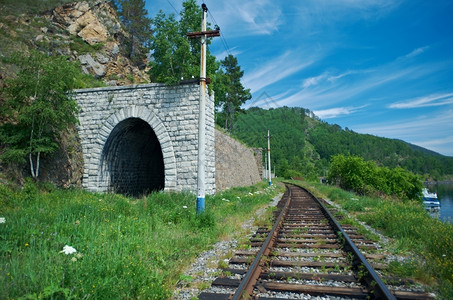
[{"x": 200, "y": 205}]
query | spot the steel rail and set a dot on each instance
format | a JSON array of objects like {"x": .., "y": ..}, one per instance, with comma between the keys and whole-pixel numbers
[
  {"x": 372, "y": 280},
  {"x": 245, "y": 288}
]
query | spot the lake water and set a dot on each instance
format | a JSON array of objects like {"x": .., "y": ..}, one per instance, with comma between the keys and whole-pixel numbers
[{"x": 445, "y": 195}]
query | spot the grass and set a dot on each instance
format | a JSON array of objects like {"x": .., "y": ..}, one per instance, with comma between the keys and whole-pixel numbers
[
  {"x": 29, "y": 6},
  {"x": 126, "y": 248},
  {"x": 412, "y": 230},
  {"x": 82, "y": 47}
]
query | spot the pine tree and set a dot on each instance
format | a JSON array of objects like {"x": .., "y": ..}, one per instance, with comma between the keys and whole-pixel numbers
[
  {"x": 229, "y": 91},
  {"x": 136, "y": 22}
]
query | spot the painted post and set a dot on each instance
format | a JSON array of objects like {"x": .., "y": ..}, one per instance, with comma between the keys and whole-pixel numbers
[
  {"x": 202, "y": 120},
  {"x": 269, "y": 156},
  {"x": 201, "y": 174}
]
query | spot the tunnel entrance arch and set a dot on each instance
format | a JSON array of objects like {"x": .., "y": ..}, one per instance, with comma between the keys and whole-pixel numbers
[
  {"x": 132, "y": 159},
  {"x": 170, "y": 111},
  {"x": 113, "y": 140}
]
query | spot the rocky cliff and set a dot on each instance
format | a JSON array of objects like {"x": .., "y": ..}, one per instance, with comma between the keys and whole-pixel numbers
[
  {"x": 89, "y": 32},
  {"x": 86, "y": 31}
]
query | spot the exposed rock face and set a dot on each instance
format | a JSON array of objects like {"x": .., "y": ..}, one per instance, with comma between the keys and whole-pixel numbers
[
  {"x": 90, "y": 65},
  {"x": 65, "y": 167},
  {"x": 98, "y": 25},
  {"x": 86, "y": 31},
  {"x": 82, "y": 20}
]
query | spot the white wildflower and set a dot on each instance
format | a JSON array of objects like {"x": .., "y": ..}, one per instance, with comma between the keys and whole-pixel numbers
[
  {"x": 223, "y": 199},
  {"x": 68, "y": 250},
  {"x": 2, "y": 220},
  {"x": 184, "y": 206},
  {"x": 74, "y": 259}
]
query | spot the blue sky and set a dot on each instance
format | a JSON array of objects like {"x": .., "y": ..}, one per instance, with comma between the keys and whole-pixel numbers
[{"x": 382, "y": 67}]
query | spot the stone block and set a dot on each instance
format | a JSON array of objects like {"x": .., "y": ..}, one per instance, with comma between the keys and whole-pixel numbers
[{"x": 172, "y": 113}]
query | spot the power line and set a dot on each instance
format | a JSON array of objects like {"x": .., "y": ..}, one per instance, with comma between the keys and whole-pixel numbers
[
  {"x": 172, "y": 6},
  {"x": 264, "y": 96},
  {"x": 222, "y": 36}
]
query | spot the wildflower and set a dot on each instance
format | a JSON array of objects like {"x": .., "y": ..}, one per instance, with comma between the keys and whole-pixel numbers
[
  {"x": 2, "y": 220},
  {"x": 223, "y": 199},
  {"x": 68, "y": 250},
  {"x": 74, "y": 259},
  {"x": 184, "y": 206},
  {"x": 77, "y": 222},
  {"x": 26, "y": 245},
  {"x": 79, "y": 255}
]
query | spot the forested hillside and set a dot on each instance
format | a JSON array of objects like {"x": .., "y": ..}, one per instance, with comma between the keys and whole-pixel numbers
[{"x": 301, "y": 144}]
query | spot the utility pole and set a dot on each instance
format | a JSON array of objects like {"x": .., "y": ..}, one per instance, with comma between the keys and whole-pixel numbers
[
  {"x": 269, "y": 156},
  {"x": 202, "y": 117}
]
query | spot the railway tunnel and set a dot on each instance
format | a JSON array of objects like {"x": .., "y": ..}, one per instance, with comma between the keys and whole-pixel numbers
[{"x": 132, "y": 159}]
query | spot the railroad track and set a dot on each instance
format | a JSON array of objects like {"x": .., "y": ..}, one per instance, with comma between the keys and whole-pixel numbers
[{"x": 305, "y": 254}]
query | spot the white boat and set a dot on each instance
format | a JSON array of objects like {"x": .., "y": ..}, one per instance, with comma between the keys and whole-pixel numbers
[{"x": 430, "y": 200}]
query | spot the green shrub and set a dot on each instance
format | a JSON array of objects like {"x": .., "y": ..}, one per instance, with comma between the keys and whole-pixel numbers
[
  {"x": 353, "y": 173},
  {"x": 82, "y": 47}
]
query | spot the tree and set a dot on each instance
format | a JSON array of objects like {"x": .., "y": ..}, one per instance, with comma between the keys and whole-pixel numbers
[
  {"x": 171, "y": 51},
  {"x": 37, "y": 106},
  {"x": 134, "y": 17},
  {"x": 365, "y": 177},
  {"x": 229, "y": 91},
  {"x": 174, "y": 56}
]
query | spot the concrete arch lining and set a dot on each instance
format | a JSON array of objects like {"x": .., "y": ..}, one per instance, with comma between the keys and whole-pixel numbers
[{"x": 162, "y": 136}]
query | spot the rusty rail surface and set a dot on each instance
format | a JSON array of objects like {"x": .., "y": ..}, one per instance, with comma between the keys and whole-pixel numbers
[{"x": 245, "y": 289}]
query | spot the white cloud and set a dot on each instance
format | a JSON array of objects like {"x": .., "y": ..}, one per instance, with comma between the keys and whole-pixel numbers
[
  {"x": 430, "y": 100},
  {"x": 333, "y": 92},
  {"x": 316, "y": 13},
  {"x": 432, "y": 131},
  {"x": 334, "y": 78},
  {"x": 314, "y": 80},
  {"x": 261, "y": 17},
  {"x": 234, "y": 51},
  {"x": 436, "y": 142},
  {"x": 275, "y": 70},
  {"x": 336, "y": 112},
  {"x": 367, "y": 83},
  {"x": 416, "y": 52},
  {"x": 245, "y": 18}
]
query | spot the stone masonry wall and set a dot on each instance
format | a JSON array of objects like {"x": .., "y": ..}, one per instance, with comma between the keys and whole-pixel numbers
[
  {"x": 172, "y": 113},
  {"x": 235, "y": 163}
]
